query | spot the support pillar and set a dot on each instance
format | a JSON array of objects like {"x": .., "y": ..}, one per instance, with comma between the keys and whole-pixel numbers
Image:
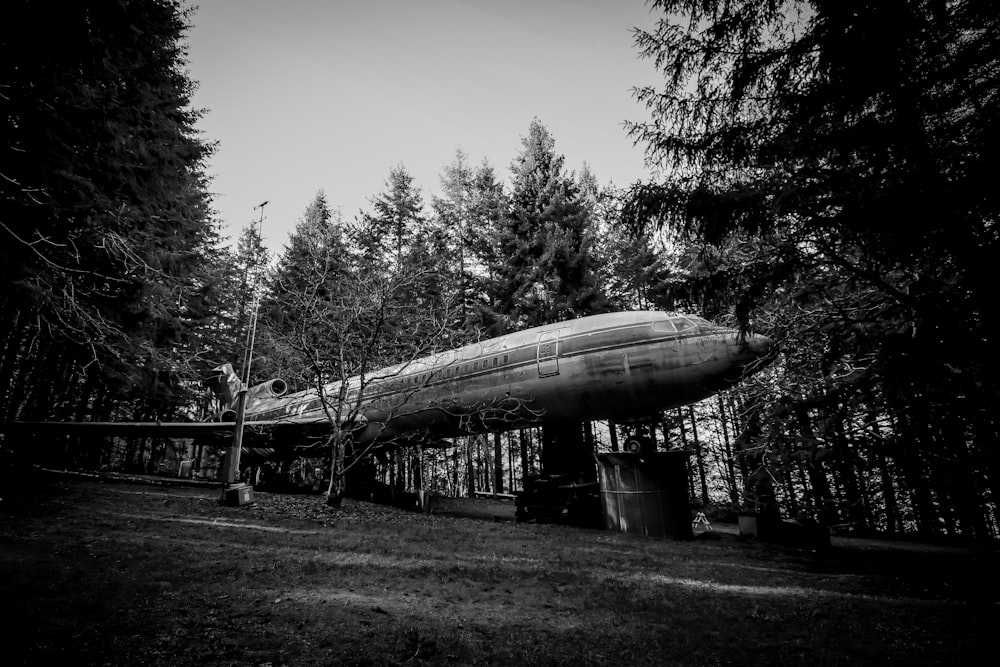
[
  {"x": 566, "y": 491},
  {"x": 565, "y": 451}
]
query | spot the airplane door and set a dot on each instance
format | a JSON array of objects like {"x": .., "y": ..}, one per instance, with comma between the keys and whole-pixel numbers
[{"x": 548, "y": 353}]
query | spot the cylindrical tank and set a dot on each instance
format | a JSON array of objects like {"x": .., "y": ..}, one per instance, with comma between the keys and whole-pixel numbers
[{"x": 646, "y": 494}]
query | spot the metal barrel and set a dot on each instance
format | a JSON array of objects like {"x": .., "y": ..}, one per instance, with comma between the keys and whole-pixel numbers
[{"x": 646, "y": 494}]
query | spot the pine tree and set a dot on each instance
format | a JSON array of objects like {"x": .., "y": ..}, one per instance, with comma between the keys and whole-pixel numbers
[
  {"x": 332, "y": 316},
  {"x": 834, "y": 157},
  {"x": 631, "y": 271},
  {"x": 396, "y": 217},
  {"x": 469, "y": 212},
  {"x": 311, "y": 270},
  {"x": 104, "y": 209},
  {"x": 548, "y": 272},
  {"x": 452, "y": 212},
  {"x": 250, "y": 269},
  {"x": 487, "y": 212}
]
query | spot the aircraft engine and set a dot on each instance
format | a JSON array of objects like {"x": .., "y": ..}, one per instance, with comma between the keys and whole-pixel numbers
[
  {"x": 226, "y": 415},
  {"x": 270, "y": 389}
]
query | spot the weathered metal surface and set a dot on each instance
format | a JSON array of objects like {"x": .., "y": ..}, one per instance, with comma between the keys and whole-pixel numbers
[
  {"x": 645, "y": 494},
  {"x": 618, "y": 366}
]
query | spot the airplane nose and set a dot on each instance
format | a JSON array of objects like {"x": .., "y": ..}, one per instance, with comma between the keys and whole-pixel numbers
[
  {"x": 746, "y": 348},
  {"x": 760, "y": 346}
]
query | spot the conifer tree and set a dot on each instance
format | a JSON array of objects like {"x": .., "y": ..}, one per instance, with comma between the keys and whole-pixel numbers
[
  {"x": 104, "y": 210},
  {"x": 548, "y": 270},
  {"x": 333, "y": 316},
  {"x": 452, "y": 211},
  {"x": 470, "y": 211},
  {"x": 250, "y": 264},
  {"x": 832, "y": 159},
  {"x": 396, "y": 218},
  {"x": 312, "y": 268}
]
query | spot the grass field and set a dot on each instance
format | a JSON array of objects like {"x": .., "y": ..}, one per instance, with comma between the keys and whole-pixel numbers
[{"x": 120, "y": 574}]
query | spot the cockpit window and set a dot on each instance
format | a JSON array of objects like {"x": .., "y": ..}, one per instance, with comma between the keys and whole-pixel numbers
[
  {"x": 664, "y": 326},
  {"x": 683, "y": 323}
]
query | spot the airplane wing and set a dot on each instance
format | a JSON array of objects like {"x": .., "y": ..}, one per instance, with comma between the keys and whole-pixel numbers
[
  {"x": 121, "y": 429},
  {"x": 146, "y": 429}
]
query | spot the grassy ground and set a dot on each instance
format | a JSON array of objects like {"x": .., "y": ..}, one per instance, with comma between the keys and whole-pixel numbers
[{"x": 119, "y": 574}]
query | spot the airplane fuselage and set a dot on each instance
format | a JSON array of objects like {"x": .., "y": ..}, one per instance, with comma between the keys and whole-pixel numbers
[{"x": 620, "y": 366}]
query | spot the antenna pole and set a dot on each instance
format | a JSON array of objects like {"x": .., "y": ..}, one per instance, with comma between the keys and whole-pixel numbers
[
  {"x": 235, "y": 492},
  {"x": 254, "y": 307}
]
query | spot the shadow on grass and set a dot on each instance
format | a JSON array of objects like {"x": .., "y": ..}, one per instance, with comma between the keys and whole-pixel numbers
[{"x": 101, "y": 574}]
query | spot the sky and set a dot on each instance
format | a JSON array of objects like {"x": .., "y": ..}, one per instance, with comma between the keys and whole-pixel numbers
[{"x": 310, "y": 95}]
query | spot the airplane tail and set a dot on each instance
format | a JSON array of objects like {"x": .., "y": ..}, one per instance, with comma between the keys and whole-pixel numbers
[{"x": 225, "y": 384}]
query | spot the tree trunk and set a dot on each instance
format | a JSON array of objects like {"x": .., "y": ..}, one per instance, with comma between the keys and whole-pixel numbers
[
  {"x": 691, "y": 465},
  {"x": 335, "y": 490},
  {"x": 816, "y": 470},
  {"x": 847, "y": 468},
  {"x": 965, "y": 480},
  {"x": 497, "y": 464},
  {"x": 510, "y": 461},
  {"x": 791, "y": 497},
  {"x": 727, "y": 451},
  {"x": 418, "y": 469},
  {"x": 699, "y": 456},
  {"x": 744, "y": 430},
  {"x": 907, "y": 454},
  {"x": 470, "y": 471}
]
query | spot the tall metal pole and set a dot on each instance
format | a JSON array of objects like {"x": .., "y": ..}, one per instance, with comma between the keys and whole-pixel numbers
[
  {"x": 235, "y": 493},
  {"x": 254, "y": 307}
]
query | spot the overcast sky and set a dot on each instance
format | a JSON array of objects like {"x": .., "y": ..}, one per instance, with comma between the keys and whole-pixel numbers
[{"x": 304, "y": 95}]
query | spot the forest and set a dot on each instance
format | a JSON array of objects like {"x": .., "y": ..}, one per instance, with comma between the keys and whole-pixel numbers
[{"x": 821, "y": 176}]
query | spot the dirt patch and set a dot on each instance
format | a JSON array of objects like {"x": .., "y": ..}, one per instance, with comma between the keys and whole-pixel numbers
[{"x": 118, "y": 574}]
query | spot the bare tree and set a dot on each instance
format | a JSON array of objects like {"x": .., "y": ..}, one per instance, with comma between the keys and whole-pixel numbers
[{"x": 338, "y": 332}]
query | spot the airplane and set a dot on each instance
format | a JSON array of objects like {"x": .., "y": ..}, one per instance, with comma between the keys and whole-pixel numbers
[{"x": 624, "y": 366}]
